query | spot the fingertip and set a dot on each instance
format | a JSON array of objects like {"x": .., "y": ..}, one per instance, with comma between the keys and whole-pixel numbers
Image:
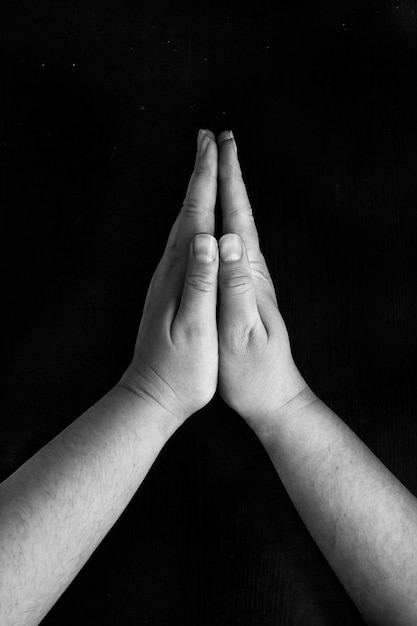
[
  {"x": 210, "y": 134},
  {"x": 203, "y": 247},
  {"x": 228, "y": 154},
  {"x": 232, "y": 248},
  {"x": 214, "y": 243},
  {"x": 223, "y": 136},
  {"x": 201, "y": 135},
  {"x": 212, "y": 144}
]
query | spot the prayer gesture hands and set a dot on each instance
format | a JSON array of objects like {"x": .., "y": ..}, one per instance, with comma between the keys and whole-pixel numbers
[{"x": 181, "y": 352}]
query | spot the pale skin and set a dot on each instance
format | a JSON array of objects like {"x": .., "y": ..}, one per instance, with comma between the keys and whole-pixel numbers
[{"x": 58, "y": 506}]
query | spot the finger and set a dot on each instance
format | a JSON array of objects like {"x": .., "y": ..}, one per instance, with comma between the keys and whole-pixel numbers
[
  {"x": 239, "y": 316},
  {"x": 197, "y": 310},
  {"x": 197, "y": 213},
  {"x": 237, "y": 211},
  {"x": 167, "y": 282}
]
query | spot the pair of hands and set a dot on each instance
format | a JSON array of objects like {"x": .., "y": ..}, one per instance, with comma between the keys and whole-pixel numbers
[{"x": 182, "y": 353}]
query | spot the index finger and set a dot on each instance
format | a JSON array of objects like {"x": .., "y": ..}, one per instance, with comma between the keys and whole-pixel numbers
[
  {"x": 237, "y": 211},
  {"x": 236, "y": 208},
  {"x": 197, "y": 213}
]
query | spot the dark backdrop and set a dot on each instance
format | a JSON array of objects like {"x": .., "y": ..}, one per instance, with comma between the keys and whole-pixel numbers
[{"x": 101, "y": 102}]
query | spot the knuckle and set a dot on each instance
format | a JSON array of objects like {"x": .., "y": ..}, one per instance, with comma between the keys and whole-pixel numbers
[
  {"x": 204, "y": 171},
  {"x": 227, "y": 172},
  {"x": 245, "y": 209},
  {"x": 259, "y": 270},
  {"x": 200, "y": 170},
  {"x": 192, "y": 330},
  {"x": 191, "y": 206},
  {"x": 201, "y": 282},
  {"x": 238, "y": 283},
  {"x": 243, "y": 341}
]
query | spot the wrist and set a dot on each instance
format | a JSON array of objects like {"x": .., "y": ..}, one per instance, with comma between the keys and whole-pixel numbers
[
  {"x": 141, "y": 405},
  {"x": 301, "y": 400},
  {"x": 267, "y": 422},
  {"x": 154, "y": 393}
]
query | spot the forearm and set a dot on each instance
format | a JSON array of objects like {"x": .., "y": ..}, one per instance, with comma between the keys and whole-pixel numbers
[
  {"x": 362, "y": 518},
  {"x": 58, "y": 506}
]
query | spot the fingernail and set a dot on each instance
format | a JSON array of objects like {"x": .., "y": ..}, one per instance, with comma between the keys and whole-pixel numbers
[
  {"x": 204, "y": 248},
  {"x": 204, "y": 144},
  {"x": 230, "y": 247},
  {"x": 234, "y": 140},
  {"x": 201, "y": 134}
]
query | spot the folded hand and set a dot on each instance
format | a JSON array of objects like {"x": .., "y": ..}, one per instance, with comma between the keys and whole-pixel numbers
[
  {"x": 175, "y": 363},
  {"x": 181, "y": 353}
]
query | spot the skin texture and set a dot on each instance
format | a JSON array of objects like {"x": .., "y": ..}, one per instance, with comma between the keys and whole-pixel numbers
[
  {"x": 178, "y": 358},
  {"x": 59, "y": 505},
  {"x": 361, "y": 517},
  {"x": 175, "y": 363},
  {"x": 257, "y": 374}
]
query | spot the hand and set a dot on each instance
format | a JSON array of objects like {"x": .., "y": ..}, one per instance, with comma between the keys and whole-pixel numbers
[
  {"x": 257, "y": 374},
  {"x": 175, "y": 363}
]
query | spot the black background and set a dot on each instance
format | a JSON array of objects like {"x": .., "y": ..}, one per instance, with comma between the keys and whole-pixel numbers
[{"x": 100, "y": 107}]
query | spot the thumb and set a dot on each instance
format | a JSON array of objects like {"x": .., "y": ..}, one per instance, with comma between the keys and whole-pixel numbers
[
  {"x": 198, "y": 302},
  {"x": 238, "y": 312}
]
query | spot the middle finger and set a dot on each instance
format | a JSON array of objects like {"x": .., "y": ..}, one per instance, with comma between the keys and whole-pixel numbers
[
  {"x": 197, "y": 213},
  {"x": 236, "y": 207}
]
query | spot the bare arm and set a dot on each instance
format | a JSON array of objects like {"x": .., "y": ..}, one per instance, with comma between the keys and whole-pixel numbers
[
  {"x": 361, "y": 517},
  {"x": 58, "y": 506}
]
